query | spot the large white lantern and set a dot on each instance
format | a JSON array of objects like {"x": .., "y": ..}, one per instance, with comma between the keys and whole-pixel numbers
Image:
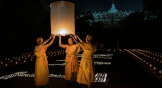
[{"x": 62, "y": 18}]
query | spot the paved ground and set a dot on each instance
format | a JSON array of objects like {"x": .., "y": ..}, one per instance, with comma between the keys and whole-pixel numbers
[{"x": 123, "y": 72}]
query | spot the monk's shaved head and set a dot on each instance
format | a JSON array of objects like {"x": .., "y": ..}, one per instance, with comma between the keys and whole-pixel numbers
[
  {"x": 89, "y": 38},
  {"x": 39, "y": 40},
  {"x": 70, "y": 41}
]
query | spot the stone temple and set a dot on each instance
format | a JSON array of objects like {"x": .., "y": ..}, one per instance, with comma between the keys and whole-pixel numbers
[{"x": 111, "y": 17}]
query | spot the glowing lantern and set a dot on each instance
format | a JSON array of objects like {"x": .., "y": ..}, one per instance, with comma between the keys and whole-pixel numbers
[{"x": 62, "y": 18}]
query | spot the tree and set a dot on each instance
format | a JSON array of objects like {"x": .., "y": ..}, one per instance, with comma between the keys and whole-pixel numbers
[{"x": 154, "y": 8}]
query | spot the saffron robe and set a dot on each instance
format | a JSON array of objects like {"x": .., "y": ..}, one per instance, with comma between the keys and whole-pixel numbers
[
  {"x": 41, "y": 67},
  {"x": 71, "y": 62},
  {"x": 86, "y": 69}
]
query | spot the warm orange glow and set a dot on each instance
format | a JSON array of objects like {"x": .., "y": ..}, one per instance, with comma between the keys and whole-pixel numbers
[
  {"x": 150, "y": 65},
  {"x": 62, "y": 18}
]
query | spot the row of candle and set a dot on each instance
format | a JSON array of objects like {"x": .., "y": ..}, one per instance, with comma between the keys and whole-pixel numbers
[
  {"x": 114, "y": 50},
  {"x": 158, "y": 54},
  {"x": 99, "y": 77},
  {"x": 96, "y": 63},
  {"x": 20, "y": 59},
  {"x": 149, "y": 56},
  {"x": 48, "y": 53},
  {"x": 146, "y": 63}
]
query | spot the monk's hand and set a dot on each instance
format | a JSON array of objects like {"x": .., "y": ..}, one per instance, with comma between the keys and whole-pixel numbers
[
  {"x": 50, "y": 36},
  {"x": 76, "y": 36},
  {"x": 59, "y": 35},
  {"x": 53, "y": 36},
  {"x": 71, "y": 35}
]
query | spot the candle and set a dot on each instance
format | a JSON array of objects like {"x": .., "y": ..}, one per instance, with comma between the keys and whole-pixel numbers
[{"x": 150, "y": 65}]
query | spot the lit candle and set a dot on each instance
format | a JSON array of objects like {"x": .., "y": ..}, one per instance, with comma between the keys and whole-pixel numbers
[
  {"x": 1, "y": 62},
  {"x": 5, "y": 64},
  {"x": 15, "y": 62},
  {"x": 150, "y": 65},
  {"x": 10, "y": 60}
]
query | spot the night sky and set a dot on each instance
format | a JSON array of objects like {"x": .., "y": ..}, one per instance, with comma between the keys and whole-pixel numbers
[{"x": 105, "y": 5}]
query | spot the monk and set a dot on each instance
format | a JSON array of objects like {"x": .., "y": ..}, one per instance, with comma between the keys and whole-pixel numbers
[
  {"x": 71, "y": 60},
  {"x": 41, "y": 64},
  {"x": 86, "y": 69}
]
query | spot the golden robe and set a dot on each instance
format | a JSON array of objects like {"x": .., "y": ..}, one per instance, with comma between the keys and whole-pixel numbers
[
  {"x": 86, "y": 69},
  {"x": 71, "y": 62},
  {"x": 41, "y": 67}
]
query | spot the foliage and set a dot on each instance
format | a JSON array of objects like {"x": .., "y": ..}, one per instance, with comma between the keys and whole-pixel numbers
[{"x": 153, "y": 7}]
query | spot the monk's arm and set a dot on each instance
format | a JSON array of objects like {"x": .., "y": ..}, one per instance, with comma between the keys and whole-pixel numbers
[
  {"x": 50, "y": 43},
  {"x": 44, "y": 42},
  {"x": 60, "y": 44},
  {"x": 74, "y": 39},
  {"x": 79, "y": 39}
]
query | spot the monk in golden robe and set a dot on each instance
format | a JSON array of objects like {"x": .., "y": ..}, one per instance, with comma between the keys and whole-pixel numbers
[
  {"x": 71, "y": 60},
  {"x": 41, "y": 64},
  {"x": 86, "y": 69}
]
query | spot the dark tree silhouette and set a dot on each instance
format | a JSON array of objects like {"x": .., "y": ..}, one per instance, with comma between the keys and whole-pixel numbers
[{"x": 154, "y": 8}]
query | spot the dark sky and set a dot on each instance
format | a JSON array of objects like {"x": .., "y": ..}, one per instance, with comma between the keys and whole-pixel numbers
[{"x": 105, "y": 5}]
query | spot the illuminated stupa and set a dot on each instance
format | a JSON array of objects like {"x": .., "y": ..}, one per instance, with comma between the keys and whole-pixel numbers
[{"x": 113, "y": 9}]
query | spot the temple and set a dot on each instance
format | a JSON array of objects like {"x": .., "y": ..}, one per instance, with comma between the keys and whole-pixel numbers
[{"x": 111, "y": 17}]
